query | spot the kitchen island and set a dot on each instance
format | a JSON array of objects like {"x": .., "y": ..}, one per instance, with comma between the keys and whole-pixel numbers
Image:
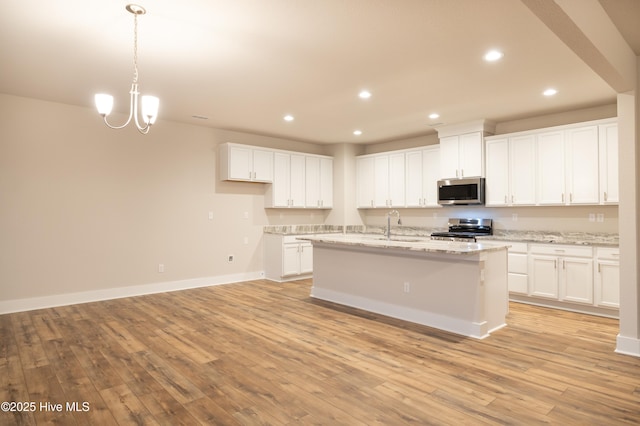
[{"x": 453, "y": 286}]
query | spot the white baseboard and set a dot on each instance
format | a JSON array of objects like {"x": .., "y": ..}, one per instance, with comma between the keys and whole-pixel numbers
[
  {"x": 30, "y": 304},
  {"x": 628, "y": 346}
]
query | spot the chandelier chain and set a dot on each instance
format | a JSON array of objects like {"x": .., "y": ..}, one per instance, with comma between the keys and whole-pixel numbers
[{"x": 135, "y": 47}]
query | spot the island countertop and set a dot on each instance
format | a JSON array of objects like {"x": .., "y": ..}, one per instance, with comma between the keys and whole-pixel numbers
[{"x": 414, "y": 244}]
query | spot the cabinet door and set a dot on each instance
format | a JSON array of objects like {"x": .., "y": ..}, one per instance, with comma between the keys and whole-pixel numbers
[
  {"x": 430, "y": 176},
  {"x": 290, "y": 259},
  {"x": 281, "y": 180},
  {"x": 550, "y": 168},
  {"x": 608, "y": 146},
  {"x": 576, "y": 280},
  {"x": 381, "y": 181},
  {"x": 396, "y": 180},
  {"x": 608, "y": 284},
  {"x": 326, "y": 182},
  {"x": 497, "y": 173},
  {"x": 543, "y": 276},
  {"x": 413, "y": 177},
  {"x": 365, "y": 182},
  {"x": 582, "y": 165},
  {"x": 312, "y": 182},
  {"x": 470, "y": 157},
  {"x": 297, "y": 181},
  {"x": 306, "y": 258},
  {"x": 449, "y": 157},
  {"x": 262, "y": 165},
  {"x": 522, "y": 170},
  {"x": 240, "y": 163}
]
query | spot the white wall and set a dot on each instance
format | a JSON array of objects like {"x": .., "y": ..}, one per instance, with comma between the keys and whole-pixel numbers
[{"x": 86, "y": 209}]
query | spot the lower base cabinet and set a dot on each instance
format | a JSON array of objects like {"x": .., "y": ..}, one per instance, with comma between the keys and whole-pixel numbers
[
  {"x": 573, "y": 277},
  {"x": 607, "y": 277},
  {"x": 287, "y": 258},
  {"x": 563, "y": 273}
]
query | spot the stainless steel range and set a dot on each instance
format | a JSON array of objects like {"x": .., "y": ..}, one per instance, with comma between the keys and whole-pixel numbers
[{"x": 465, "y": 230}]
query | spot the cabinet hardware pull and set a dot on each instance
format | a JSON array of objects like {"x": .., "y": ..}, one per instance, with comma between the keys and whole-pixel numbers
[
  {"x": 599, "y": 268},
  {"x": 563, "y": 197},
  {"x": 512, "y": 199},
  {"x": 605, "y": 195},
  {"x": 555, "y": 264},
  {"x": 571, "y": 197},
  {"x": 461, "y": 172}
]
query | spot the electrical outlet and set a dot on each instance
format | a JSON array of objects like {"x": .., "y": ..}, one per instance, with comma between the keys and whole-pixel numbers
[
  {"x": 246, "y": 240},
  {"x": 245, "y": 215},
  {"x": 161, "y": 267},
  {"x": 592, "y": 217},
  {"x": 407, "y": 287},
  {"x": 514, "y": 217},
  {"x": 600, "y": 217},
  {"x": 230, "y": 258},
  {"x": 210, "y": 215}
]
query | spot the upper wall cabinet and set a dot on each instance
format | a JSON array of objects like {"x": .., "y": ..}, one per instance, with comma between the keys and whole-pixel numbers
[
  {"x": 608, "y": 158},
  {"x": 422, "y": 172},
  {"x": 301, "y": 181},
  {"x": 246, "y": 163},
  {"x": 565, "y": 165},
  {"x": 298, "y": 180},
  {"x": 318, "y": 182},
  {"x": 405, "y": 178},
  {"x": 381, "y": 180},
  {"x": 510, "y": 171},
  {"x": 461, "y": 156},
  {"x": 462, "y": 149}
]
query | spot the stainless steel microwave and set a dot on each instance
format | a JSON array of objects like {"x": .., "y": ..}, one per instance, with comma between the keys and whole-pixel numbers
[{"x": 463, "y": 191}]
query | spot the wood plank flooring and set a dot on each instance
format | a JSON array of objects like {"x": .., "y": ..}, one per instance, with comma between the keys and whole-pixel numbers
[{"x": 265, "y": 353}]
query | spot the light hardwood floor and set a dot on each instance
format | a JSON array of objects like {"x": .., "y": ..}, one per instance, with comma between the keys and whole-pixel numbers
[{"x": 265, "y": 353}]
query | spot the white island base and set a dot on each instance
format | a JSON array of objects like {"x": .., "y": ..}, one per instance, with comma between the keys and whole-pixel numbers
[{"x": 464, "y": 292}]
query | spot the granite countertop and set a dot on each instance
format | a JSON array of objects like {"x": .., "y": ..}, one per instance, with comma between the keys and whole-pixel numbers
[
  {"x": 302, "y": 229},
  {"x": 570, "y": 238},
  {"x": 414, "y": 244},
  {"x": 400, "y": 231}
]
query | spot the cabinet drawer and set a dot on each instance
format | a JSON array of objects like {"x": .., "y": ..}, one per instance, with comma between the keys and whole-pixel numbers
[
  {"x": 517, "y": 247},
  {"x": 518, "y": 263},
  {"x": 610, "y": 253},
  {"x": 287, "y": 239},
  {"x": 560, "y": 250}
]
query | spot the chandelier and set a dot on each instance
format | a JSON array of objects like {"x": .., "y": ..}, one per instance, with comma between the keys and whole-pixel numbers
[{"x": 149, "y": 104}]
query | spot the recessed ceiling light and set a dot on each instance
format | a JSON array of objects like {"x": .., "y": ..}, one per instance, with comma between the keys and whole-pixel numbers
[
  {"x": 550, "y": 92},
  {"x": 288, "y": 117},
  {"x": 434, "y": 116},
  {"x": 357, "y": 132},
  {"x": 365, "y": 94},
  {"x": 493, "y": 55}
]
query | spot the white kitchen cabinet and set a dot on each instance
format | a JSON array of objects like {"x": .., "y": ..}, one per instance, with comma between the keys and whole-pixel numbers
[
  {"x": 518, "y": 268},
  {"x": 365, "y": 182},
  {"x": 517, "y": 265},
  {"x": 564, "y": 273},
  {"x": 550, "y": 168},
  {"x": 582, "y": 177},
  {"x": 245, "y": 163},
  {"x": 462, "y": 155},
  {"x": 421, "y": 177},
  {"x": 510, "y": 171},
  {"x": 287, "y": 258},
  {"x": 318, "y": 182},
  {"x": 608, "y": 158},
  {"x": 288, "y": 188},
  {"x": 607, "y": 277},
  {"x": 381, "y": 180}
]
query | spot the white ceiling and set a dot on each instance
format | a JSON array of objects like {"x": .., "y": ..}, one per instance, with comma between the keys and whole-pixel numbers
[{"x": 244, "y": 64}]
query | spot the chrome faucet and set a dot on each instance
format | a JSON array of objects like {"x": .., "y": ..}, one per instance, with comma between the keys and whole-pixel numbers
[{"x": 391, "y": 213}]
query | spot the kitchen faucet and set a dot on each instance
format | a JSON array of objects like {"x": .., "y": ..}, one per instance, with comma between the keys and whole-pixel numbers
[{"x": 391, "y": 213}]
